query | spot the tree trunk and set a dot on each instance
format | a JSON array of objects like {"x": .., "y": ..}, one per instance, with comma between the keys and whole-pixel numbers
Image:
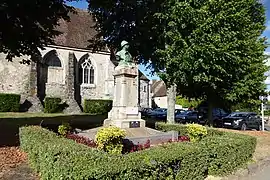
[
  {"x": 210, "y": 114},
  {"x": 171, "y": 98}
]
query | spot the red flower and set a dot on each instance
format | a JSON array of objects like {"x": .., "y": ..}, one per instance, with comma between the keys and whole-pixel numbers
[{"x": 81, "y": 140}]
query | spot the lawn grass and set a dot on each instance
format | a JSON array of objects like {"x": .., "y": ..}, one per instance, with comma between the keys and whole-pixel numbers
[
  {"x": 11, "y": 122},
  {"x": 26, "y": 115}
]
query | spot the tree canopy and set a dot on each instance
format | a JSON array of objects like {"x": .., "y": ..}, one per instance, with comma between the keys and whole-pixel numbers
[
  {"x": 29, "y": 25},
  {"x": 211, "y": 49}
]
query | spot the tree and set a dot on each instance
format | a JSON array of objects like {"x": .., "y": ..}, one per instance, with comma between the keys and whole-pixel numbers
[
  {"x": 217, "y": 50},
  {"x": 29, "y": 25},
  {"x": 186, "y": 103},
  {"x": 208, "y": 48},
  {"x": 171, "y": 99}
]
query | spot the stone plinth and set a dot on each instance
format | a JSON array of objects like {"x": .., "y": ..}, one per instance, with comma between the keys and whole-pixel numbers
[
  {"x": 125, "y": 111},
  {"x": 138, "y": 135}
]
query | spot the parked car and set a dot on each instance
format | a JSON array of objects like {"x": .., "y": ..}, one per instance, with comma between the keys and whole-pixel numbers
[
  {"x": 217, "y": 115},
  {"x": 242, "y": 121},
  {"x": 159, "y": 113},
  {"x": 177, "y": 111},
  {"x": 187, "y": 117},
  {"x": 146, "y": 112}
]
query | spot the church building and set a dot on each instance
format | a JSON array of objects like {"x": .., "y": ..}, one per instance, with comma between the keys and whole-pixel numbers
[{"x": 68, "y": 70}]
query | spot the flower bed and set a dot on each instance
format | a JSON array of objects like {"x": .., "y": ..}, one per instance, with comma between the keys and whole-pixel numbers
[
  {"x": 56, "y": 157},
  {"x": 128, "y": 147}
]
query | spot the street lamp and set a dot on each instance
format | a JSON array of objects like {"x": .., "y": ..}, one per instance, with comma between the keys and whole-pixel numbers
[{"x": 264, "y": 99}]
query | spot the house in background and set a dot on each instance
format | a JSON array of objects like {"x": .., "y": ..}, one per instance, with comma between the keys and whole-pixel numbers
[{"x": 159, "y": 95}]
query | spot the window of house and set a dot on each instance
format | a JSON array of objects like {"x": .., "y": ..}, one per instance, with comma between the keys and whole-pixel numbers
[
  {"x": 88, "y": 72},
  {"x": 144, "y": 88}
]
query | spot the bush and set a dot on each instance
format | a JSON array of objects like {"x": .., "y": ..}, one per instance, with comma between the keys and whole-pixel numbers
[
  {"x": 52, "y": 105},
  {"x": 9, "y": 102},
  {"x": 97, "y": 106},
  {"x": 55, "y": 157},
  {"x": 64, "y": 129},
  {"x": 182, "y": 129},
  {"x": 266, "y": 113},
  {"x": 186, "y": 103},
  {"x": 81, "y": 140},
  {"x": 110, "y": 139},
  {"x": 196, "y": 132},
  {"x": 226, "y": 151}
]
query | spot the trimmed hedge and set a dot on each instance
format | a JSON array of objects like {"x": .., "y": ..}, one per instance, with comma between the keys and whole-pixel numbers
[
  {"x": 9, "y": 102},
  {"x": 226, "y": 151},
  {"x": 59, "y": 158},
  {"x": 182, "y": 129},
  {"x": 52, "y": 105},
  {"x": 98, "y": 106},
  {"x": 56, "y": 158}
]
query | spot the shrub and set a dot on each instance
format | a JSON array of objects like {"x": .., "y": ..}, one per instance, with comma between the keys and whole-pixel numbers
[
  {"x": 110, "y": 139},
  {"x": 196, "y": 132},
  {"x": 52, "y": 105},
  {"x": 186, "y": 103},
  {"x": 228, "y": 152},
  {"x": 183, "y": 139},
  {"x": 55, "y": 157},
  {"x": 64, "y": 129},
  {"x": 9, "y": 102},
  {"x": 82, "y": 140},
  {"x": 129, "y": 147},
  {"x": 97, "y": 106},
  {"x": 182, "y": 129}
]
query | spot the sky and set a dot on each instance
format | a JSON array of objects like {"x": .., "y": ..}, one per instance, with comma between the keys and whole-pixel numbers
[{"x": 82, "y": 4}]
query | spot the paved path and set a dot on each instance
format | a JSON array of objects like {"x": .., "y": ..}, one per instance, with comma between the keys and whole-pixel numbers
[{"x": 264, "y": 174}]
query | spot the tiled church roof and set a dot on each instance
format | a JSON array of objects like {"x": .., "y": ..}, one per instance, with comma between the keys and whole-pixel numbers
[{"x": 77, "y": 31}]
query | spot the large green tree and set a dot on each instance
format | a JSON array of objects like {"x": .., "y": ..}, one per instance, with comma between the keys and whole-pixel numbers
[
  {"x": 29, "y": 25},
  {"x": 211, "y": 49},
  {"x": 215, "y": 49}
]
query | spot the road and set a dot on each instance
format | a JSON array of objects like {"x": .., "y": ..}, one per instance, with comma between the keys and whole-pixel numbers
[
  {"x": 267, "y": 128},
  {"x": 264, "y": 174}
]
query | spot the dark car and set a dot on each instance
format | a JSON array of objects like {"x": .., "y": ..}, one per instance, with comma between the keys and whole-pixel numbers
[
  {"x": 158, "y": 113},
  {"x": 164, "y": 116},
  {"x": 217, "y": 114},
  {"x": 146, "y": 112},
  {"x": 187, "y": 117},
  {"x": 179, "y": 111},
  {"x": 243, "y": 121}
]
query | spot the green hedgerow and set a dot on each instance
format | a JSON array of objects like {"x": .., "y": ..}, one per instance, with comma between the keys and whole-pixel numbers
[
  {"x": 97, "y": 106},
  {"x": 9, "y": 102}
]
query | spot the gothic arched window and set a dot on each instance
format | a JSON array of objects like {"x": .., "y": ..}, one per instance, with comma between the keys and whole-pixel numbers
[
  {"x": 52, "y": 59},
  {"x": 88, "y": 72}
]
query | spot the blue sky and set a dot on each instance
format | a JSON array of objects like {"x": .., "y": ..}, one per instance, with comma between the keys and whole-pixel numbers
[{"x": 82, "y": 4}]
